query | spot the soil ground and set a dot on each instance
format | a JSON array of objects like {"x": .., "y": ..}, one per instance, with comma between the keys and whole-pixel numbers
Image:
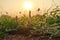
[{"x": 26, "y": 37}]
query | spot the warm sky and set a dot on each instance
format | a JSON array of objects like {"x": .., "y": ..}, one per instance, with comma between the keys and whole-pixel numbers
[{"x": 17, "y": 5}]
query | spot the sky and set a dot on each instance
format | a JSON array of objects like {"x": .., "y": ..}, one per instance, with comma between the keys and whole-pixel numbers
[{"x": 17, "y": 5}]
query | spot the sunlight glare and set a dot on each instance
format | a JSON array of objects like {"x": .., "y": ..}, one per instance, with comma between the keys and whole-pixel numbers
[{"x": 28, "y": 5}]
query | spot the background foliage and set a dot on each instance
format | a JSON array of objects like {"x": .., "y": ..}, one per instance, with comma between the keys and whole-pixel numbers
[{"x": 48, "y": 23}]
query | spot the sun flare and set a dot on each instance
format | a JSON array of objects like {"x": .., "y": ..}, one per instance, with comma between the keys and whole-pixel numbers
[{"x": 28, "y": 5}]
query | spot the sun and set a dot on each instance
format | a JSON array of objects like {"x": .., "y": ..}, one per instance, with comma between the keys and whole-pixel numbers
[{"x": 28, "y": 5}]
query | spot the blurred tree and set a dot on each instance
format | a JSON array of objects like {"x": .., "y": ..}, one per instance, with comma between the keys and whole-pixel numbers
[
  {"x": 20, "y": 12},
  {"x": 38, "y": 9}
]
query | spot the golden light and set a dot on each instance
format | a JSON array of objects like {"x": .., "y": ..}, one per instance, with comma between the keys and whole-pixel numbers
[{"x": 28, "y": 5}]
